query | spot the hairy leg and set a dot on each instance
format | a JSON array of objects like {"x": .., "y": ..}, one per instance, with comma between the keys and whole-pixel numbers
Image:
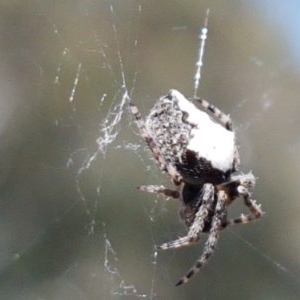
[
  {"x": 220, "y": 214},
  {"x": 193, "y": 235},
  {"x": 223, "y": 118},
  {"x": 160, "y": 189}
]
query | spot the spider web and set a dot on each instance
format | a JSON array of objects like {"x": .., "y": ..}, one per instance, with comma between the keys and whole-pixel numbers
[{"x": 81, "y": 229}]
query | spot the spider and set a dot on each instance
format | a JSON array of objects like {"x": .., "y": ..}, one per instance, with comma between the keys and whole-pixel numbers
[{"x": 202, "y": 159}]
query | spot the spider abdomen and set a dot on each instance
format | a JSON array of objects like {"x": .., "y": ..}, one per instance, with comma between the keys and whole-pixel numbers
[{"x": 201, "y": 149}]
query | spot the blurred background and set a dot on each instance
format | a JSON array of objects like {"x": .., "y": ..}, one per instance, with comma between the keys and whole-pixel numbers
[{"x": 72, "y": 224}]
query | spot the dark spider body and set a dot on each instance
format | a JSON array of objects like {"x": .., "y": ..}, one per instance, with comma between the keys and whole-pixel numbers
[{"x": 202, "y": 159}]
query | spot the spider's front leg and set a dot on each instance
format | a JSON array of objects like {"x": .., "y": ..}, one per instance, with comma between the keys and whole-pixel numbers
[
  {"x": 161, "y": 190},
  {"x": 216, "y": 226},
  {"x": 206, "y": 199},
  {"x": 245, "y": 182}
]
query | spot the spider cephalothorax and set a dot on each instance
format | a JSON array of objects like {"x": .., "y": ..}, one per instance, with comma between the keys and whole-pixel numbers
[{"x": 201, "y": 157}]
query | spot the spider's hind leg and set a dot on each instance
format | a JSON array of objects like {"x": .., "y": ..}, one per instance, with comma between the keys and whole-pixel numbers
[{"x": 222, "y": 117}]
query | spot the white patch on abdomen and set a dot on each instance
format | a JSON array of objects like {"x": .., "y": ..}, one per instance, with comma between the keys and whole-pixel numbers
[{"x": 208, "y": 139}]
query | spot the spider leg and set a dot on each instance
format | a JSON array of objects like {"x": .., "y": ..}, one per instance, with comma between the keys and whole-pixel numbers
[
  {"x": 193, "y": 235},
  {"x": 220, "y": 214},
  {"x": 224, "y": 119},
  {"x": 164, "y": 165},
  {"x": 237, "y": 160},
  {"x": 181, "y": 242},
  {"x": 242, "y": 219},
  {"x": 160, "y": 189},
  {"x": 245, "y": 182}
]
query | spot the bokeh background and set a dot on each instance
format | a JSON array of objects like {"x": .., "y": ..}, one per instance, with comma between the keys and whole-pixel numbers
[{"x": 72, "y": 225}]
